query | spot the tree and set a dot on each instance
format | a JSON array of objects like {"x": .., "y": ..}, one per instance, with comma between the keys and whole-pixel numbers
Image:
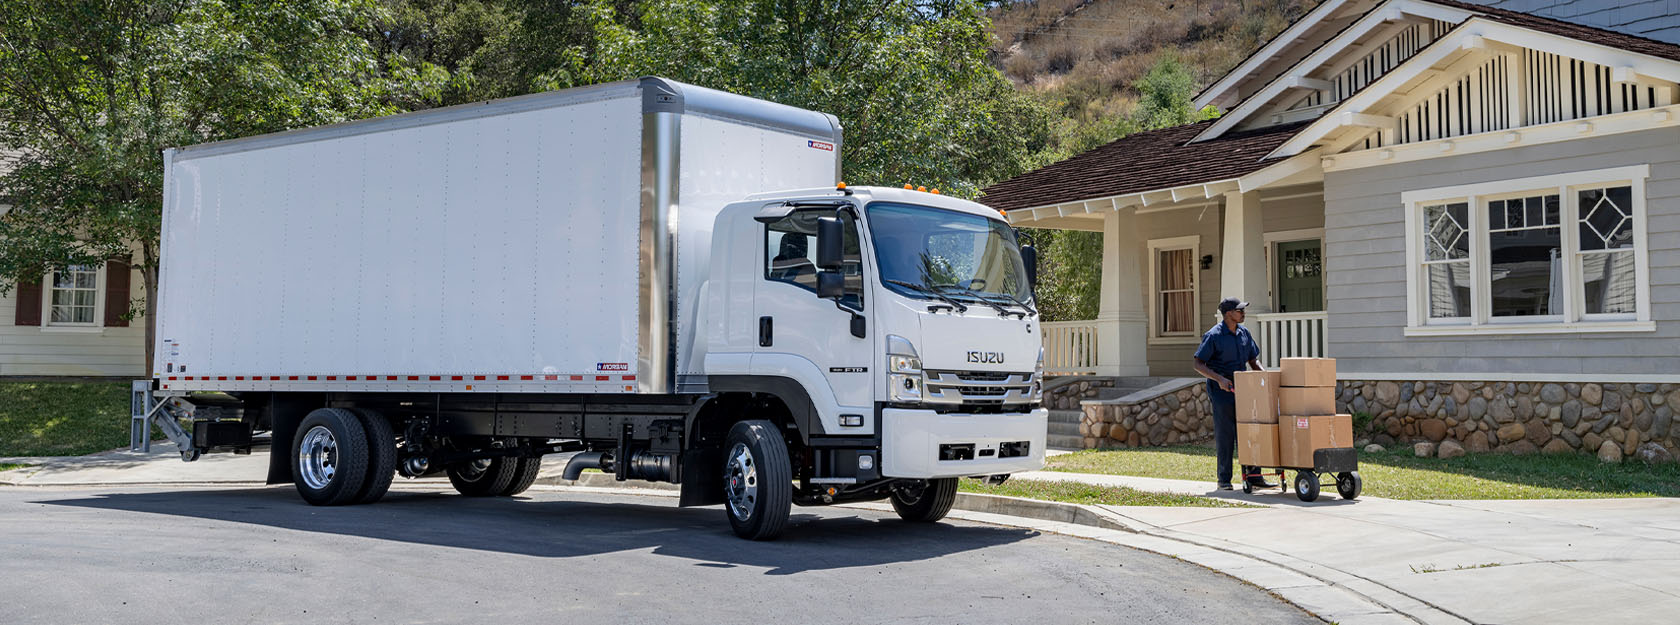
[
  {"x": 908, "y": 79},
  {"x": 92, "y": 91}
]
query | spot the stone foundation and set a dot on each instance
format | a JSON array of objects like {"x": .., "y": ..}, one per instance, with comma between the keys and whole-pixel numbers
[
  {"x": 1611, "y": 421},
  {"x": 1067, "y": 396},
  {"x": 1175, "y": 417}
]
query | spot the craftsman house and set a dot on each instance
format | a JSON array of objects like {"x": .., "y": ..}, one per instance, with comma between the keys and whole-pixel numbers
[{"x": 1475, "y": 210}]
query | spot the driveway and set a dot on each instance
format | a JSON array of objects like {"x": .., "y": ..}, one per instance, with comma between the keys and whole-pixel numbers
[{"x": 139, "y": 554}]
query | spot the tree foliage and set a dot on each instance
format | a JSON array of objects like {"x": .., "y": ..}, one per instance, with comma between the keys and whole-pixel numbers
[{"x": 92, "y": 91}]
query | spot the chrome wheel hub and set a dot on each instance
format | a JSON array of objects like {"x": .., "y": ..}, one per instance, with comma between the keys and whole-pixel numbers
[
  {"x": 741, "y": 482},
  {"x": 318, "y": 457}
]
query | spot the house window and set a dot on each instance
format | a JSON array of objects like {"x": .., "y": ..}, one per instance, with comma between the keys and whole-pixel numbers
[
  {"x": 1547, "y": 254},
  {"x": 1173, "y": 285},
  {"x": 74, "y": 296}
]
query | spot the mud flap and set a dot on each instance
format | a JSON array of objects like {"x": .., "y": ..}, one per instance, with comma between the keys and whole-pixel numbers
[{"x": 701, "y": 478}]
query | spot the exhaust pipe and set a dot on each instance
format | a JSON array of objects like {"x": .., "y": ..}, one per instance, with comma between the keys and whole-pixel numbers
[{"x": 642, "y": 465}]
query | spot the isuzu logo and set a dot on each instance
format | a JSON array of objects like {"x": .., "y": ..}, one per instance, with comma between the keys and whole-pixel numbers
[{"x": 986, "y": 358}]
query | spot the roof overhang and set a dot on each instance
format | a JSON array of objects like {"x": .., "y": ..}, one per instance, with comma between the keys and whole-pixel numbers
[
  {"x": 1475, "y": 36},
  {"x": 1086, "y": 214},
  {"x": 1297, "y": 75},
  {"x": 1223, "y": 92}
]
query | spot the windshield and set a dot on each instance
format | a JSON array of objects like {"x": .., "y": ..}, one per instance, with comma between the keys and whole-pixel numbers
[{"x": 946, "y": 252}]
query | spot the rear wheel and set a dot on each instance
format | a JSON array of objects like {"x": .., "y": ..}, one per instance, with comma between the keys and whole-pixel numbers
[
  {"x": 1348, "y": 484},
  {"x": 927, "y": 504},
  {"x": 486, "y": 477},
  {"x": 382, "y": 455},
  {"x": 1306, "y": 485},
  {"x": 757, "y": 480},
  {"x": 524, "y": 475},
  {"x": 330, "y": 457}
]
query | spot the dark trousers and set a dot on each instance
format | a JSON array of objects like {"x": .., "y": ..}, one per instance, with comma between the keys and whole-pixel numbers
[{"x": 1225, "y": 431}]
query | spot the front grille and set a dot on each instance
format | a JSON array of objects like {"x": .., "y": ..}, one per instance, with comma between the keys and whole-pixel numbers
[{"x": 978, "y": 387}]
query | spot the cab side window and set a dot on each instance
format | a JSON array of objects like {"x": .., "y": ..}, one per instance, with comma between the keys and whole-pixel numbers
[{"x": 790, "y": 253}]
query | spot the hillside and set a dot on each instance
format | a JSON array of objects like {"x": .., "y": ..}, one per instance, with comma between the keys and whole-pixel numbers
[{"x": 1086, "y": 57}]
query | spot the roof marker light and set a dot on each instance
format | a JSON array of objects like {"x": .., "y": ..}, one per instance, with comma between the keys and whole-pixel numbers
[
  {"x": 935, "y": 192},
  {"x": 909, "y": 186},
  {"x": 922, "y": 189},
  {"x": 840, "y": 185}
]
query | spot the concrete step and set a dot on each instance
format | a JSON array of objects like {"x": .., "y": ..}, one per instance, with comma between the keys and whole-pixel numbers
[
  {"x": 1064, "y": 429},
  {"x": 1065, "y": 442},
  {"x": 1067, "y": 416}
]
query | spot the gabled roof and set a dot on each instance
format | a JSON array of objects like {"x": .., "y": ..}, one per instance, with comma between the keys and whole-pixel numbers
[
  {"x": 1589, "y": 34},
  {"x": 1146, "y": 161}
]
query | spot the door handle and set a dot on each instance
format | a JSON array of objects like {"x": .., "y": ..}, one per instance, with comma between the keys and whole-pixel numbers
[{"x": 766, "y": 332}]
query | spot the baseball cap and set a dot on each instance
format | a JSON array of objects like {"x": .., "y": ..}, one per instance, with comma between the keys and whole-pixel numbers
[{"x": 1231, "y": 303}]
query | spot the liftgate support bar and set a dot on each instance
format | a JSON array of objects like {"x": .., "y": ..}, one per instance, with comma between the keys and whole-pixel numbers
[{"x": 145, "y": 411}]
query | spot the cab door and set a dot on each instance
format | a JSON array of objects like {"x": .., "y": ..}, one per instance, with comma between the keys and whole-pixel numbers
[{"x": 802, "y": 336}]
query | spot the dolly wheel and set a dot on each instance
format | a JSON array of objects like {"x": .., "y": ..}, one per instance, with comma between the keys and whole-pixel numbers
[
  {"x": 1348, "y": 484},
  {"x": 1306, "y": 485}
]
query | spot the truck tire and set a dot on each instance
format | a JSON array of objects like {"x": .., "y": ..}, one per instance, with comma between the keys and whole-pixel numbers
[
  {"x": 483, "y": 478},
  {"x": 524, "y": 475},
  {"x": 757, "y": 480},
  {"x": 930, "y": 504},
  {"x": 329, "y": 457},
  {"x": 382, "y": 455}
]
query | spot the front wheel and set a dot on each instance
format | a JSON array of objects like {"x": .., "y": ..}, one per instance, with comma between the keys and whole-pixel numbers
[
  {"x": 1348, "y": 484},
  {"x": 1306, "y": 485},
  {"x": 927, "y": 504},
  {"x": 757, "y": 480}
]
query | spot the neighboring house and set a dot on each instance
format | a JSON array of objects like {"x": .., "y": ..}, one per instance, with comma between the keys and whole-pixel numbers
[
  {"x": 1475, "y": 210},
  {"x": 70, "y": 323}
]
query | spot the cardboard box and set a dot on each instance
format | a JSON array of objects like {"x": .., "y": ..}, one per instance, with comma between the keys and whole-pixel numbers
[
  {"x": 1257, "y": 444},
  {"x": 1298, "y": 437},
  {"x": 1308, "y": 371},
  {"x": 1306, "y": 401},
  {"x": 1257, "y": 396}
]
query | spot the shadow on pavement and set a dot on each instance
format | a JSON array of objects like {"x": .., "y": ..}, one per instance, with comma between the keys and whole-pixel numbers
[{"x": 835, "y": 539}]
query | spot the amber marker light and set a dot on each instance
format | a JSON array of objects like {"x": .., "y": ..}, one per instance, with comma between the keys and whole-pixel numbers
[
  {"x": 841, "y": 186},
  {"x": 909, "y": 187},
  {"x": 922, "y": 189},
  {"x": 935, "y": 192}
]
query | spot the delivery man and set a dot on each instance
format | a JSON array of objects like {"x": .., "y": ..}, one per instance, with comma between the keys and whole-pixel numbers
[{"x": 1225, "y": 350}]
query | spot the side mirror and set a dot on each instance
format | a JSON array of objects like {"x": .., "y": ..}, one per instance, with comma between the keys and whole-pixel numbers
[
  {"x": 1029, "y": 257},
  {"x": 831, "y": 285},
  {"x": 829, "y": 243}
]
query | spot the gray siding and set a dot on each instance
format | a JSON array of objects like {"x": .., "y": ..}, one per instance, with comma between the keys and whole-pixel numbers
[
  {"x": 1366, "y": 273},
  {"x": 1656, "y": 19}
]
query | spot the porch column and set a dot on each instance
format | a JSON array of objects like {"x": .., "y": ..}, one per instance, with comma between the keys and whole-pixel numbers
[
  {"x": 1242, "y": 269},
  {"x": 1122, "y": 322}
]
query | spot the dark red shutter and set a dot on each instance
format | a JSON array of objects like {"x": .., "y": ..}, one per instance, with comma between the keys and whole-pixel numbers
[
  {"x": 28, "y": 303},
  {"x": 116, "y": 294}
]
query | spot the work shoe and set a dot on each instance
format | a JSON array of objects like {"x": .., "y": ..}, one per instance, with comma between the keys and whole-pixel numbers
[
  {"x": 1224, "y": 487},
  {"x": 1260, "y": 482}
]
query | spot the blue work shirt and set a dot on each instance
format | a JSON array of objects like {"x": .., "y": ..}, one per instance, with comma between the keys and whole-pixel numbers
[{"x": 1226, "y": 353}]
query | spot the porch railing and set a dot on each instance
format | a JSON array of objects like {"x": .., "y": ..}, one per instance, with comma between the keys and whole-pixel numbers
[
  {"x": 1070, "y": 347},
  {"x": 1288, "y": 335}
]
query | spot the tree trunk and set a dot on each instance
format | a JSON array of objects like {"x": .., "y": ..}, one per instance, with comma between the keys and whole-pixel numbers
[{"x": 149, "y": 274}]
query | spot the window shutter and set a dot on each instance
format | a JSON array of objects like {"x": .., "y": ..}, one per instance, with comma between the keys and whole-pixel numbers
[
  {"x": 116, "y": 294},
  {"x": 28, "y": 303}
]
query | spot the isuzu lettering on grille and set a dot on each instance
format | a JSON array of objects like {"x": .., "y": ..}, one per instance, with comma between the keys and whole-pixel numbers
[{"x": 986, "y": 358}]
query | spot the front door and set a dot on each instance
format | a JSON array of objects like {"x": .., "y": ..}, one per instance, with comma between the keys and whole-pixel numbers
[
  {"x": 796, "y": 328},
  {"x": 1300, "y": 276}
]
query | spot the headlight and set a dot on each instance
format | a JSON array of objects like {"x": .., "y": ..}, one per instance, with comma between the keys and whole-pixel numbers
[
  {"x": 904, "y": 368},
  {"x": 1038, "y": 377}
]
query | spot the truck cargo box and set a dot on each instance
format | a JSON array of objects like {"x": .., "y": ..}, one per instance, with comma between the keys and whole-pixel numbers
[{"x": 546, "y": 243}]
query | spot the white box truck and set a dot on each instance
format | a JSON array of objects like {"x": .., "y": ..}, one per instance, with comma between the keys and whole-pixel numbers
[{"x": 664, "y": 280}]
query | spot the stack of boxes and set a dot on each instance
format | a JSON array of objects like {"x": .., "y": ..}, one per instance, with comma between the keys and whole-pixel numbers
[{"x": 1284, "y": 415}]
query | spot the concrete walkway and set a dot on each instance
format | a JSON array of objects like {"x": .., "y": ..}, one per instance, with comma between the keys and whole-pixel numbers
[{"x": 1365, "y": 561}]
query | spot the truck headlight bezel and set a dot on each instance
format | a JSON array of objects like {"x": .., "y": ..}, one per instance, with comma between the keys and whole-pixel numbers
[{"x": 904, "y": 371}]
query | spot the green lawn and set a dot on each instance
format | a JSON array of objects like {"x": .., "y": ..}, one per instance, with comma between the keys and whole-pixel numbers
[
  {"x": 1398, "y": 474},
  {"x": 1074, "y": 492},
  {"x": 62, "y": 418},
  {"x": 7, "y": 467}
]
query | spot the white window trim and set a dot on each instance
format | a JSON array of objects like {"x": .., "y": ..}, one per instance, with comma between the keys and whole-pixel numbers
[
  {"x": 1156, "y": 246},
  {"x": 1572, "y": 320},
  {"x": 98, "y": 323},
  {"x": 1271, "y": 239}
]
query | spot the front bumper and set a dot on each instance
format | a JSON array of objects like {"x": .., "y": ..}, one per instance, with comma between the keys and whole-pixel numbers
[{"x": 911, "y": 440}]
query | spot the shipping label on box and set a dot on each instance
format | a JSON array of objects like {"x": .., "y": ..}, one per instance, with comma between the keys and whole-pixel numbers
[
  {"x": 1298, "y": 437},
  {"x": 1306, "y": 401},
  {"x": 1257, "y": 396},
  {"x": 1257, "y": 444},
  {"x": 1308, "y": 371}
]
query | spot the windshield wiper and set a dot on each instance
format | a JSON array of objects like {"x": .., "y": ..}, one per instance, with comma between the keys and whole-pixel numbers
[
  {"x": 1003, "y": 298},
  {"x": 973, "y": 293},
  {"x": 955, "y": 305}
]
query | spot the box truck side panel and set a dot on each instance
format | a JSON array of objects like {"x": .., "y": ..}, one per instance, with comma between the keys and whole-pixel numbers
[
  {"x": 491, "y": 245},
  {"x": 722, "y": 162}
]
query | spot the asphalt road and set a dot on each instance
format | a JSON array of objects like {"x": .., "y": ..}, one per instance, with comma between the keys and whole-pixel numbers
[{"x": 228, "y": 555}]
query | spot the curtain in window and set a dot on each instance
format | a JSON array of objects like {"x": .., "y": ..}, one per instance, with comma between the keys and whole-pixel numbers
[{"x": 1177, "y": 291}]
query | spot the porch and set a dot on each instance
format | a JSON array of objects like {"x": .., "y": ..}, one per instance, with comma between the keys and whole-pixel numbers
[{"x": 1071, "y": 347}]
